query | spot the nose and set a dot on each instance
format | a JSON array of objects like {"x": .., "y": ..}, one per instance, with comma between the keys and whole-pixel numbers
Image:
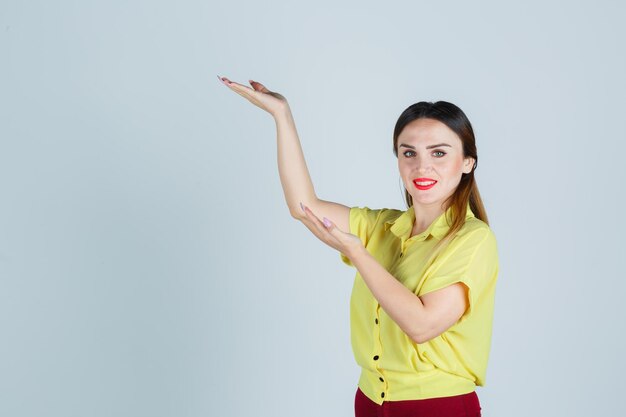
[{"x": 421, "y": 164}]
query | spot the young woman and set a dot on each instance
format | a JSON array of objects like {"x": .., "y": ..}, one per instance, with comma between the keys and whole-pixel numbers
[{"x": 422, "y": 303}]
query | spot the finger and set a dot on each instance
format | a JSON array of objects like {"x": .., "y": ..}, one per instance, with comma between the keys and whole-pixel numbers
[
  {"x": 326, "y": 223},
  {"x": 245, "y": 91},
  {"x": 259, "y": 87},
  {"x": 235, "y": 86},
  {"x": 239, "y": 87},
  {"x": 332, "y": 229},
  {"x": 310, "y": 224},
  {"x": 319, "y": 225},
  {"x": 313, "y": 218},
  {"x": 330, "y": 226},
  {"x": 225, "y": 81},
  {"x": 335, "y": 232},
  {"x": 332, "y": 237}
]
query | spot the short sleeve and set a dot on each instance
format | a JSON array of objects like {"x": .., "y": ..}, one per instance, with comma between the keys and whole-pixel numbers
[
  {"x": 472, "y": 260},
  {"x": 362, "y": 222}
]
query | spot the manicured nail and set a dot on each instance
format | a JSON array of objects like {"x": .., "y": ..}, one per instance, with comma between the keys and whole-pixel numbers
[{"x": 326, "y": 222}]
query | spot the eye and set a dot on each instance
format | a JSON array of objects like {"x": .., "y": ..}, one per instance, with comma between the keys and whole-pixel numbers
[
  {"x": 405, "y": 153},
  {"x": 439, "y": 154}
]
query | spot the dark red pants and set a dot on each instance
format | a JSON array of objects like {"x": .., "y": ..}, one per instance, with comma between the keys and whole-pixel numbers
[{"x": 466, "y": 405}]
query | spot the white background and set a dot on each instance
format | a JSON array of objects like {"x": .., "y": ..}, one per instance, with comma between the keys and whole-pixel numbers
[{"x": 148, "y": 262}]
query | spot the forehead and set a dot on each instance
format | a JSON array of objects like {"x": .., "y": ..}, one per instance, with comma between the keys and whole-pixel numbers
[{"x": 428, "y": 131}]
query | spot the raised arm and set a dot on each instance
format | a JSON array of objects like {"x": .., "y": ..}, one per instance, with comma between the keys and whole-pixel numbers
[
  {"x": 292, "y": 169},
  {"x": 295, "y": 177}
]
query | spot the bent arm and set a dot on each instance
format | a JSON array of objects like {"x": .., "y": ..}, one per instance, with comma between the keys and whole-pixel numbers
[
  {"x": 295, "y": 178},
  {"x": 421, "y": 318}
]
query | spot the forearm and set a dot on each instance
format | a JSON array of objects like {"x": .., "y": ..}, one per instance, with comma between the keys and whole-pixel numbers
[
  {"x": 292, "y": 169},
  {"x": 403, "y": 306}
]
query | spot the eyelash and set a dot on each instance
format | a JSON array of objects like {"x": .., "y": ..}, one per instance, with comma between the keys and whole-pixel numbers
[{"x": 442, "y": 152}]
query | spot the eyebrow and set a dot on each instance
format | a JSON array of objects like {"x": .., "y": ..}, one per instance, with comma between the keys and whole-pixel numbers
[{"x": 428, "y": 147}]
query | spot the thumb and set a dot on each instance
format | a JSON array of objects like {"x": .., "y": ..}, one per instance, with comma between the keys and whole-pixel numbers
[{"x": 258, "y": 86}]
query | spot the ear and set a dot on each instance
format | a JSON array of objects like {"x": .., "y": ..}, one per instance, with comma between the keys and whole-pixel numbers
[{"x": 468, "y": 164}]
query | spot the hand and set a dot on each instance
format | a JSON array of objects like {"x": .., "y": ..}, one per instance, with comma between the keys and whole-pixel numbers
[
  {"x": 271, "y": 102},
  {"x": 346, "y": 243}
]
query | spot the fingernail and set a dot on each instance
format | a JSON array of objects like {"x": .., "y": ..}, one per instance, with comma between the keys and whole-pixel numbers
[{"x": 326, "y": 222}]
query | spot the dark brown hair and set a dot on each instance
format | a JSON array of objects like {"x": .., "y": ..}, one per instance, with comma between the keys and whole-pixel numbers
[{"x": 467, "y": 190}]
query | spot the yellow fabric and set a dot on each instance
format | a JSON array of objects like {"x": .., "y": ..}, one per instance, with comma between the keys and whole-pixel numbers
[{"x": 452, "y": 363}]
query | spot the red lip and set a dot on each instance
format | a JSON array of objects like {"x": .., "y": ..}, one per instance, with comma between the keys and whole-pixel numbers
[{"x": 422, "y": 187}]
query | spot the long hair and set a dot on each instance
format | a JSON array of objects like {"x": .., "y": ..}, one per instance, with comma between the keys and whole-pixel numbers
[{"x": 467, "y": 190}]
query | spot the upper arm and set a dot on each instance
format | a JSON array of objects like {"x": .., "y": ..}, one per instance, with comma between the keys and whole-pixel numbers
[
  {"x": 470, "y": 265},
  {"x": 335, "y": 212},
  {"x": 443, "y": 308}
]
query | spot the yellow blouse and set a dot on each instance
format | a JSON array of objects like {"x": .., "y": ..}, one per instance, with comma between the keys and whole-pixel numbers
[{"x": 393, "y": 366}]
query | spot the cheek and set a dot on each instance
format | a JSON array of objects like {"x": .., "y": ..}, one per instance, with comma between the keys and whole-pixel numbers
[
  {"x": 402, "y": 168},
  {"x": 453, "y": 167}
]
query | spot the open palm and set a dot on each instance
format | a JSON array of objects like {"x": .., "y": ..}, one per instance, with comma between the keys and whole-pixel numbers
[
  {"x": 258, "y": 95},
  {"x": 329, "y": 233}
]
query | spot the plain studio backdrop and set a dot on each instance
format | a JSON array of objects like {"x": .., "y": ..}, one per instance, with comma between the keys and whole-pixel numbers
[{"x": 148, "y": 262}]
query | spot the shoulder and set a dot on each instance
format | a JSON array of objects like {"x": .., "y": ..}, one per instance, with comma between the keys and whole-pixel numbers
[
  {"x": 476, "y": 229},
  {"x": 475, "y": 236},
  {"x": 390, "y": 215}
]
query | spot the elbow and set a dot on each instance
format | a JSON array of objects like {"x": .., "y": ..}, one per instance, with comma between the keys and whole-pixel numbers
[
  {"x": 422, "y": 338},
  {"x": 419, "y": 338},
  {"x": 423, "y": 335},
  {"x": 296, "y": 212},
  {"x": 298, "y": 215}
]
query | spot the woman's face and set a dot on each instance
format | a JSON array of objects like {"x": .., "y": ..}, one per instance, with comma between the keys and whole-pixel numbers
[{"x": 431, "y": 162}]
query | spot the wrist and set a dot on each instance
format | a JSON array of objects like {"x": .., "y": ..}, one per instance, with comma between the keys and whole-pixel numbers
[
  {"x": 283, "y": 113},
  {"x": 356, "y": 253}
]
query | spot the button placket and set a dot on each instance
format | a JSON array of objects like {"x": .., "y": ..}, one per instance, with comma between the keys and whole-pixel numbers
[
  {"x": 378, "y": 349},
  {"x": 404, "y": 245}
]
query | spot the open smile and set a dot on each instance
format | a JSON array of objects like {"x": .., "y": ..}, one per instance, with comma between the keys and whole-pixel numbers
[{"x": 424, "y": 183}]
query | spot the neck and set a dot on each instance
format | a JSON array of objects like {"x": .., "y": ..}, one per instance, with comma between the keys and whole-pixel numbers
[{"x": 424, "y": 216}]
